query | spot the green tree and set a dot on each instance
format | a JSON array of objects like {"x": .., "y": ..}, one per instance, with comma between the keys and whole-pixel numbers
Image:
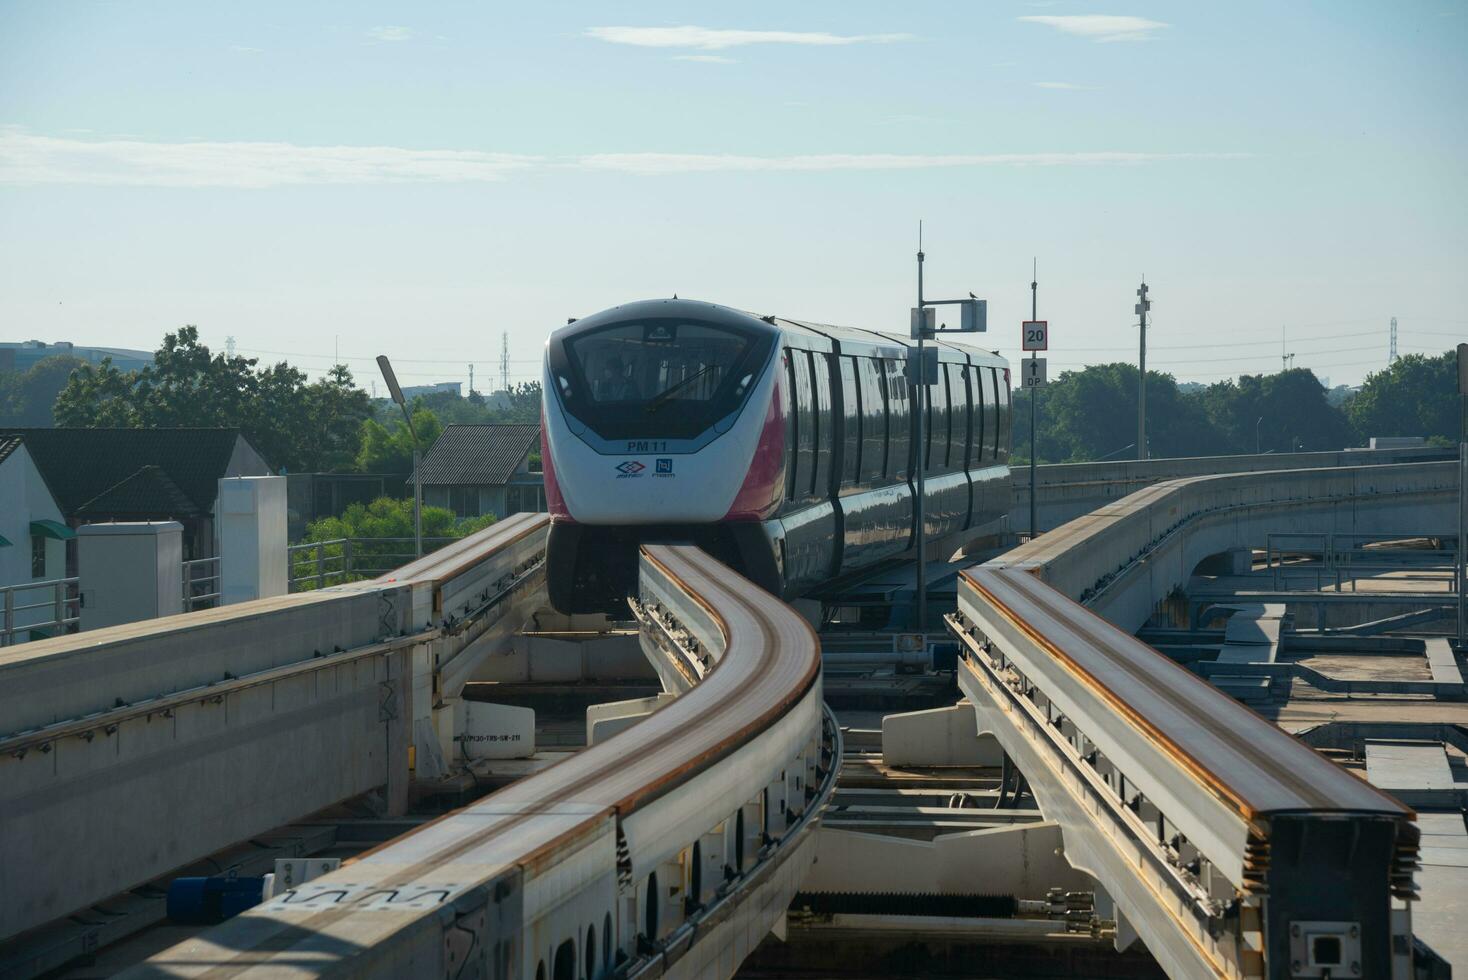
[
  {"x": 1286, "y": 412},
  {"x": 524, "y": 406},
  {"x": 97, "y": 396},
  {"x": 520, "y": 404},
  {"x": 1416, "y": 396},
  {"x": 1092, "y": 414},
  {"x": 389, "y": 448},
  {"x": 295, "y": 425},
  {"x": 381, "y": 536},
  {"x": 27, "y": 397}
]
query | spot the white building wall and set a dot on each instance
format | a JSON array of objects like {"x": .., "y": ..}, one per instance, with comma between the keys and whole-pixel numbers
[{"x": 24, "y": 497}]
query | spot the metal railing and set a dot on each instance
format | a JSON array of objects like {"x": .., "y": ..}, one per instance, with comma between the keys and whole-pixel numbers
[
  {"x": 1322, "y": 556},
  {"x": 318, "y": 564},
  {"x": 62, "y": 600},
  {"x": 201, "y": 585}
]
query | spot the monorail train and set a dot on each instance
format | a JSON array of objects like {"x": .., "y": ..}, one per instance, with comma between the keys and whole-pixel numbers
[{"x": 784, "y": 448}]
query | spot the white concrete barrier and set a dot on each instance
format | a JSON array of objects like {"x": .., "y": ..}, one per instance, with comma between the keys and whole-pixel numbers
[
  {"x": 938, "y": 737},
  {"x": 251, "y": 525}
]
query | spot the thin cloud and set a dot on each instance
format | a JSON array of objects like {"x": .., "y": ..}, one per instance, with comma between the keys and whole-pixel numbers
[
  {"x": 390, "y": 32},
  {"x": 709, "y": 59},
  {"x": 655, "y": 164},
  {"x": 1102, "y": 28},
  {"x": 30, "y": 159},
  {"x": 714, "y": 39},
  {"x": 26, "y": 158},
  {"x": 1063, "y": 86},
  {"x": 246, "y": 49}
]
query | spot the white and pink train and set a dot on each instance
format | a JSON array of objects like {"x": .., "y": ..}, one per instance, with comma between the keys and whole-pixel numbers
[{"x": 782, "y": 447}]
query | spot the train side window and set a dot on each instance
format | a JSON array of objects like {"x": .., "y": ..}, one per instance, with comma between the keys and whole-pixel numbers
[
  {"x": 994, "y": 429},
  {"x": 792, "y": 437},
  {"x": 943, "y": 395},
  {"x": 932, "y": 404},
  {"x": 820, "y": 365},
  {"x": 976, "y": 445},
  {"x": 851, "y": 420},
  {"x": 899, "y": 442},
  {"x": 938, "y": 412},
  {"x": 874, "y": 421},
  {"x": 805, "y": 445},
  {"x": 1006, "y": 416},
  {"x": 945, "y": 433},
  {"x": 958, "y": 422}
]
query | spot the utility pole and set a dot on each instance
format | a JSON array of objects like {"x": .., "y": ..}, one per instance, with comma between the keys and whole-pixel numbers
[
  {"x": 1391, "y": 357},
  {"x": 1034, "y": 392},
  {"x": 1143, "y": 305},
  {"x": 974, "y": 319},
  {"x": 505, "y": 361},
  {"x": 920, "y": 508},
  {"x": 471, "y": 378},
  {"x": 1460, "y": 564}
]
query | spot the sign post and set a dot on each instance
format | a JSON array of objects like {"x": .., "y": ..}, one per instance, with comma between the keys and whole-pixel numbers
[
  {"x": 922, "y": 373},
  {"x": 1034, "y": 337},
  {"x": 1460, "y": 565}
]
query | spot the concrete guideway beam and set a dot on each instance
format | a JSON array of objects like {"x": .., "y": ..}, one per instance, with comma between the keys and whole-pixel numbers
[
  {"x": 669, "y": 849},
  {"x": 1065, "y": 491},
  {"x": 137, "y": 749},
  {"x": 1120, "y": 559},
  {"x": 1215, "y": 833}
]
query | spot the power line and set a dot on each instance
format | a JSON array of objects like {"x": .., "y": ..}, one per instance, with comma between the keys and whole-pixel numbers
[
  {"x": 373, "y": 359},
  {"x": 1235, "y": 360},
  {"x": 1230, "y": 345}
]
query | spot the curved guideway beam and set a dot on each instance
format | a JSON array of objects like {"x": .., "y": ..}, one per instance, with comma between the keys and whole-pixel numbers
[
  {"x": 666, "y": 848},
  {"x": 1216, "y": 833}
]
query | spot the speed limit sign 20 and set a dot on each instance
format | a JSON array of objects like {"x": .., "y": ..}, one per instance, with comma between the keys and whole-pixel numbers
[{"x": 1036, "y": 335}]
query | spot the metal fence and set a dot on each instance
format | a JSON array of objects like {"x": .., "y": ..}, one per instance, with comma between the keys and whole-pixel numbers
[
  {"x": 60, "y": 597},
  {"x": 318, "y": 564},
  {"x": 201, "y": 589},
  {"x": 1322, "y": 558}
]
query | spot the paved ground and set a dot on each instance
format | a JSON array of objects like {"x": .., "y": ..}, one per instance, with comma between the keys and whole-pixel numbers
[{"x": 1439, "y": 917}]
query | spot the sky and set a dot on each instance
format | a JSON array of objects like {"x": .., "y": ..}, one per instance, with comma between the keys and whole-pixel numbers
[{"x": 339, "y": 180}]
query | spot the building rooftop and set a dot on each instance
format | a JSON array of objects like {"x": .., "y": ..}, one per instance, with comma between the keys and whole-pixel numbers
[
  {"x": 478, "y": 455},
  {"x": 149, "y": 492},
  {"x": 82, "y": 465}
]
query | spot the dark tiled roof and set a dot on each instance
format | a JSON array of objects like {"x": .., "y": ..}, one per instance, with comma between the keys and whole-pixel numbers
[
  {"x": 478, "y": 455},
  {"x": 147, "y": 493},
  {"x": 8, "y": 445},
  {"x": 79, "y": 465}
]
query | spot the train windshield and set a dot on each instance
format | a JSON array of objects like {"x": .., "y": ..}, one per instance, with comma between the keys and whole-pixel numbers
[{"x": 658, "y": 377}]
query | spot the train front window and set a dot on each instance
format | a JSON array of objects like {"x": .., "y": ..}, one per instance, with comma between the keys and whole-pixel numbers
[{"x": 659, "y": 376}]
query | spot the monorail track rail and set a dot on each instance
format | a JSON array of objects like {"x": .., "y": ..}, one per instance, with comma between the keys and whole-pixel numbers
[
  {"x": 595, "y": 866},
  {"x": 1230, "y": 847}
]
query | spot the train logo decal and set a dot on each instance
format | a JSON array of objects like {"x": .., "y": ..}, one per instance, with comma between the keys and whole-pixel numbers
[
  {"x": 629, "y": 468},
  {"x": 664, "y": 467}
]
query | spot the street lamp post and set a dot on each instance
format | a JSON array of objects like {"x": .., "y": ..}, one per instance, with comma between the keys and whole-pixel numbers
[
  {"x": 1460, "y": 565},
  {"x": 974, "y": 319},
  {"x": 1258, "y": 446},
  {"x": 397, "y": 396}
]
